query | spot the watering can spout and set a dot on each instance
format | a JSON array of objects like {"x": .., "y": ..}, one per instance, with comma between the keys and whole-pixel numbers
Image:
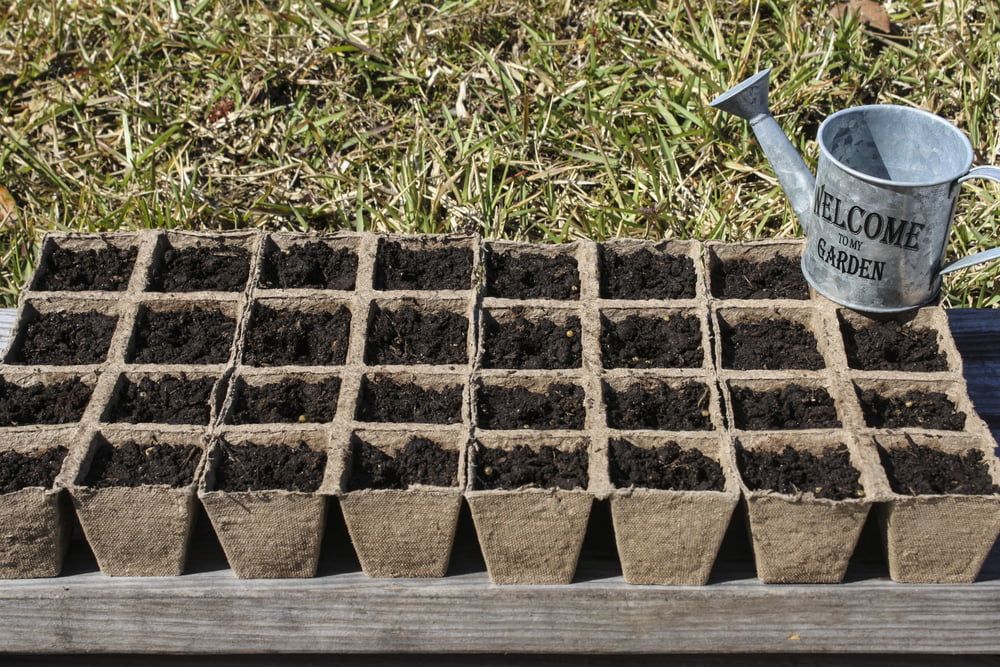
[{"x": 748, "y": 99}]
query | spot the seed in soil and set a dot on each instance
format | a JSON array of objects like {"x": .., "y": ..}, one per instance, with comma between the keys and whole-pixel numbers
[
  {"x": 827, "y": 475},
  {"x": 779, "y": 277},
  {"x": 167, "y": 400},
  {"x": 917, "y": 470},
  {"x": 406, "y": 335},
  {"x": 310, "y": 265},
  {"x": 20, "y": 471},
  {"x": 104, "y": 269},
  {"x": 770, "y": 344},
  {"x": 252, "y": 467},
  {"x": 547, "y": 468},
  {"x": 531, "y": 275},
  {"x": 892, "y": 346},
  {"x": 559, "y": 407},
  {"x": 219, "y": 268},
  {"x": 645, "y": 274},
  {"x": 914, "y": 409},
  {"x": 285, "y": 402},
  {"x": 190, "y": 335},
  {"x": 383, "y": 399},
  {"x": 522, "y": 343},
  {"x": 659, "y": 406},
  {"x": 65, "y": 338},
  {"x": 291, "y": 337},
  {"x": 399, "y": 267},
  {"x": 790, "y": 407},
  {"x": 421, "y": 461},
  {"x": 134, "y": 464},
  {"x": 667, "y": 467},
  {"x": 645, "y": 341},
  {"x": 53, "y": 403}
]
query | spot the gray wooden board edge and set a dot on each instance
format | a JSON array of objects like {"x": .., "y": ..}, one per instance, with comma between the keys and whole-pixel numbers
[{"x": 212, "y": 612}]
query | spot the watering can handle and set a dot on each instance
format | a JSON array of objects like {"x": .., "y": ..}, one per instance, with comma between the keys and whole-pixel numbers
[{"x": 991, "y": 174}]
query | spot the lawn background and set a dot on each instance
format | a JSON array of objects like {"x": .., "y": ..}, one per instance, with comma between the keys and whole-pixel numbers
[{"x": 530, "y": 120}]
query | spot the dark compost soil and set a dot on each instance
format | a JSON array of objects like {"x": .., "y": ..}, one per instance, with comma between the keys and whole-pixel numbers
[
  {"x": 383, "y": 399},
  {"x": 285, "y": 401},
  {"x": 398, "y": 267},
  {"x": 168, "y": 400},
  {"x": 19, "y": 471},
  {"x": 220, "y": 268},
  {"x": 923, "y": 409},
  {"x": 660, "y": 407},
  {"x": 53, "y": 403},
  {"x": 188, "y": 336},
  {"x": 548, "y": 468},
  {"x": 645, "y": 274},
  {"x": 406, "y": 335},
  {"x": 65, "y": 338},
  {"x": 421, "y": 461},
  {"x": 251, "y": 467},
  {"x": 891, "y": 346},
  {"x": 652, "y": 342},
  {"x": 310, "y": 265},
  {"x": 560, "y": 407},
  {"x": 776, "y": 278},
  {"x": 105, "y": 269},
  {"x": 667, "y": 467},
  {"x": 790, "y": 407},
  {"x": 770, "y": 344},
  {"x": 289, "y": 337},
  {"x": 523, "y": 343},
  {"x": 828, "y": 475},
  {"x": 134, "y": 464},
  {"x": 527, "y": 275},
  {"x": 919, "y": 470}
]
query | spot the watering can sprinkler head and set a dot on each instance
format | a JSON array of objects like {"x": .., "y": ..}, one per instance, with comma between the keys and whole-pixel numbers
[{"x": 747, "y": 99}]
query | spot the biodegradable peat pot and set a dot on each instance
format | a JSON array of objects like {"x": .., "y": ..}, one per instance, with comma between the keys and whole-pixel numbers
[
  {"x": 272, "y": 532},
  {"x": 141, "y": 530},
  {"x": 944, "y": 538},
  {"x": 529, "y": 535},
  {"x": 402, "y": 532},
  {"x": 34, "y": 521},
  {"x": 673, "y": 536},
  {"x": 801, "y": 538}
]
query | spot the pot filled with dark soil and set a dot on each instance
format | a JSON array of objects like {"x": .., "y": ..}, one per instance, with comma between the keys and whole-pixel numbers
[
  {"x": 134, "y": 492},
  {"x": 34, "y": 519},
  {"x": 63, "y": 332},
  {"x": 526, "y": 271},
  {"x": 772, "y": 339},
  {"x": 298, "y": 332},
  {"x": 268, "y": 397},
  {"x": 30, "y": 399},
  {"x": 193, "y": 262},
  {"x": 639, "y": 270},
  {"x": 523, "y": 338},
  {"x": 187, "y": 397},
  {"x": 671, "y": 501},
  {"x": 654, "y": 338},
  {"x": 807, "y": 497},
  {"x": 919, "y": 342},
  {"x": 86, "y": 264},
  {"x": 410, "y": 332},
  {"x": 942, "y": 517},
  {"x": 401, "y": 494},
  {"x": 913, "y": 404},
  {"x": 184, "y": 332},
  {"x": 756, "y": 271},
  {"x": 307, "y": 262},
  {"x": 265, "y": 491},
  {"x": 411, "y": 398},
  {"x": 425, "y": 263},
  {"x": 782, "y": 405},
  {"x": 662, "y": 404},
  {"x": 530, "y": 504},
  {"x": 529, "y": 402}
]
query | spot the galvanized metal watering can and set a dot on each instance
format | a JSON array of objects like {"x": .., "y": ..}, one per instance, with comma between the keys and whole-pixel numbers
[{"x": 878, "y": 214}]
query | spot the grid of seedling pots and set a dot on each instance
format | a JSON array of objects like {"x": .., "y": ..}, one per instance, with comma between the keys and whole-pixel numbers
[{"x": 262, "y": 374}]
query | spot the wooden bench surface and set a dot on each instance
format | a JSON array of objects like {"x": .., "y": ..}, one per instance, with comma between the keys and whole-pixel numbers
[{"x": 210, "y": 612}]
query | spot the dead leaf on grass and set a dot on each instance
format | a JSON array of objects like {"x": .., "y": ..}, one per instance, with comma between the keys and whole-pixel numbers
[
  {"x": 870, "y": 13},
  {"x": 8, "y": 207}
]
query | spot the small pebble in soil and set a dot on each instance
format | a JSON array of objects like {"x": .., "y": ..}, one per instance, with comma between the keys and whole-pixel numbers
[
  {"x": 190, "y": 335},
  {"x": 20, "y": 470},
  {"x": 790, "y": 407},
  {"x": 102, "y": 269},
  {"x": 528, "y": 275},
  {"x": 401, "y": 267},
  {"x": 382, "y": 399},
  {"x": 660, "y": 406},
  {"x": 167, "y": 400},
  {"x": 520, "y": 466},
  {"x": 60, "y": 402},
  {"x": 132, "y": 464},
  {"x": 253, "y": 467},
  {"x": 913, "y": 409},
  {"x": 407, "y": 335},
  {"x": 779, "y": 277},
  {"x": 287, "y": 401},
  {"x": 220, "y": 267},
  {"x": 667, "y": 467},
  {"x": 292, "y": 337},
  {"x": 421, "y": 461},
  {"x": 892, "y": 346},
  {"x": 310, "y": 265},
  {"x": 826, "y": 475},
  {"x": 770, "y": 344},
  {"x": 65, "y": 338},
  {"x": 560, "y": 406},
  {"x": 522, "y": 343},
  {"x": 645, "y": 274},
  {"x": 920, "y": 470},
  {"x": 640, "y": 341}
]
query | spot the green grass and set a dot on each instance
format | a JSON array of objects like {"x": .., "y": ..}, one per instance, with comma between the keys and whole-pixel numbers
[{"x": 530, "y": 120}]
